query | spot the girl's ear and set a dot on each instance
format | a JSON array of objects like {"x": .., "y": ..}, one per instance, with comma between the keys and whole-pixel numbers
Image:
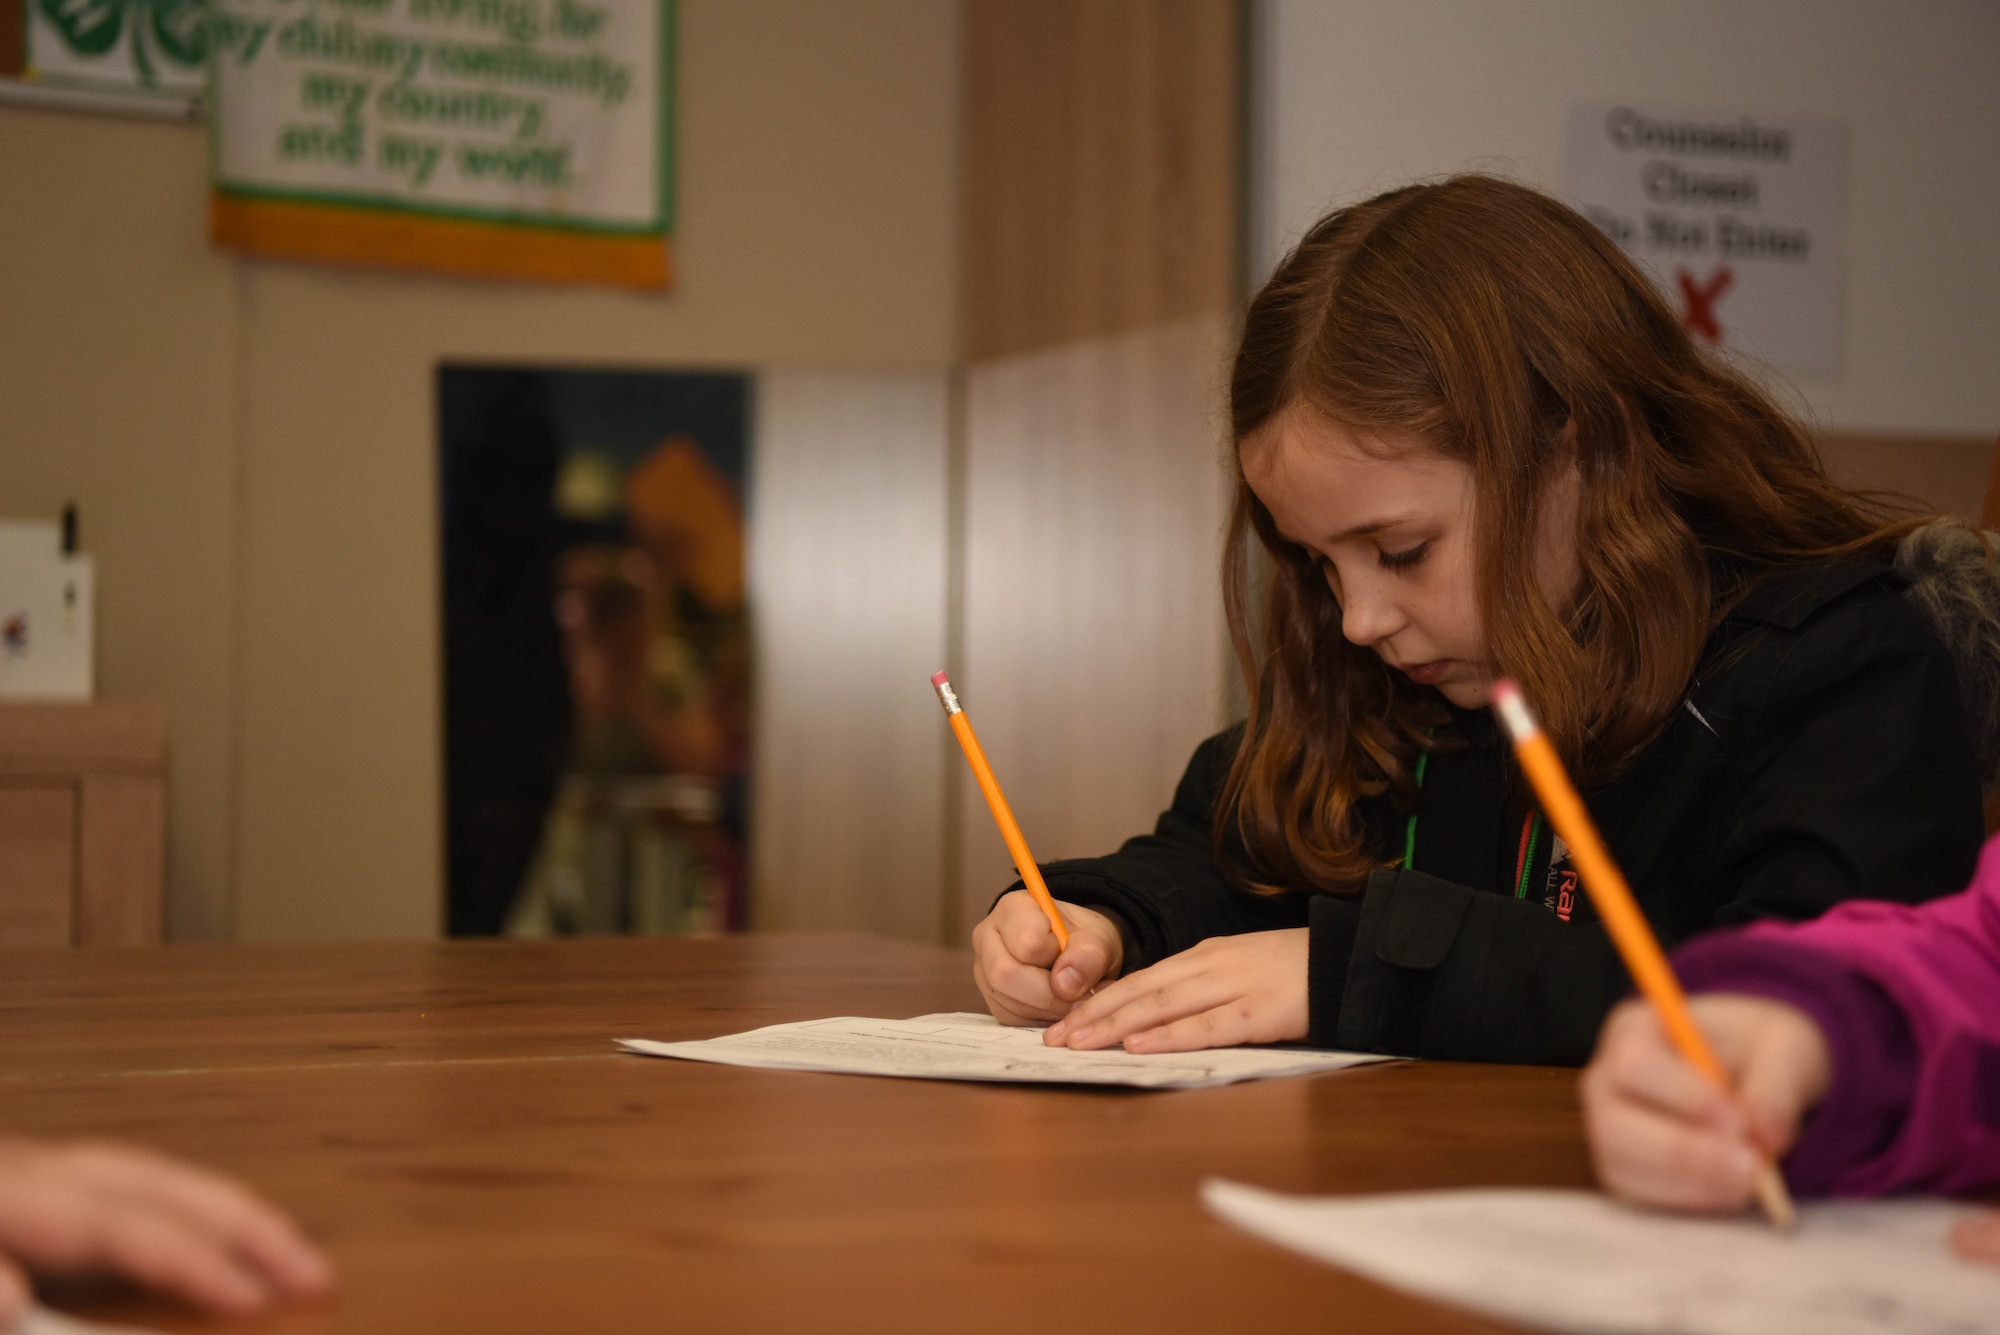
[
  {"x": 1568, "y": 452},
  {"x": 1569, "y": 440},
  {"x": 1558, "y": 571},
  {"x": 1566, "y": 438}
]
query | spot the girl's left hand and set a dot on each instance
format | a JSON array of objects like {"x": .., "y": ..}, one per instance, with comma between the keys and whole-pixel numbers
[{"x": 1227, "y": 990}]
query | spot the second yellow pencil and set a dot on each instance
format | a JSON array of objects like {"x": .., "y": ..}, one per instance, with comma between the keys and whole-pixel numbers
[{"x": 1627, "y": 926}]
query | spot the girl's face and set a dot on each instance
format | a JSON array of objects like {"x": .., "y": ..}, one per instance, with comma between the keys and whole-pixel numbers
[{"x": 1391, "y": 527}]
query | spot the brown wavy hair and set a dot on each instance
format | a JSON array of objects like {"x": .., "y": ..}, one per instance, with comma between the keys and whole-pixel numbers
[{"x": 1507, "y": 332}]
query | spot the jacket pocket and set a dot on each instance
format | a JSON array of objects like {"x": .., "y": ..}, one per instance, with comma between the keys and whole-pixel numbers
[{"x": 1421, "y": 921}]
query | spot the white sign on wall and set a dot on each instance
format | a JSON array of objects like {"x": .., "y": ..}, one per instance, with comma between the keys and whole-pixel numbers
[
  {"x": 46, "y": 597},
  {"x": 1738, "y": 218}
]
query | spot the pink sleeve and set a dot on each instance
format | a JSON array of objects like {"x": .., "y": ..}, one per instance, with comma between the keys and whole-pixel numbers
[{"x": 1940, "y": 964}]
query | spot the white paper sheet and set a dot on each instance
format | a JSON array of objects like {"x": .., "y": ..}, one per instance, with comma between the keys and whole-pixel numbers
[
  {"x": 960, "y": 1046},
  {"x": 40, "y": 1320},
  {"x": 1579, "y": 1261}
]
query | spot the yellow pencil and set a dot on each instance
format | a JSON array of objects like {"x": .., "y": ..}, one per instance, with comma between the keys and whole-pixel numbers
[
  {"x": 1620, "y": 911},
  {"x": 1003, "y": 816}
]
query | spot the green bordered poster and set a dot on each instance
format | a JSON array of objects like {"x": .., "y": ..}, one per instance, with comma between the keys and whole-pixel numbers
[
  {"x": 505, "y": 138},
  {"x": 143, "y": 48}
]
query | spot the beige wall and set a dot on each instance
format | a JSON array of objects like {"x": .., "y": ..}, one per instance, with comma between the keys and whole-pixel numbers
[
  {"x": 117, "y": 391},
  {"x": 256, "y": 470}
]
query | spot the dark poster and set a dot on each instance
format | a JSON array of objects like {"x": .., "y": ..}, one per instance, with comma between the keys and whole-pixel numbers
[{"x": 596, "y": 649}]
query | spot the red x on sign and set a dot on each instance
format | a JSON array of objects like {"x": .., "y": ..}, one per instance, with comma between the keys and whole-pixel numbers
[{"x": 1699, "y": 299}]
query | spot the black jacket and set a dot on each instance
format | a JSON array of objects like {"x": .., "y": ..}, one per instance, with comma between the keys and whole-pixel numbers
[{"x": 1823, "y": 755}]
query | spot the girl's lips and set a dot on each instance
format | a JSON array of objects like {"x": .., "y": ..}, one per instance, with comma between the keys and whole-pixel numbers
[{"x": 1428, "y": 674}]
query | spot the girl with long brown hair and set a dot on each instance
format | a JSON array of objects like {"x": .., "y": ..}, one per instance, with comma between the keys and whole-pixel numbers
[{"x": 1473, "y": 440}]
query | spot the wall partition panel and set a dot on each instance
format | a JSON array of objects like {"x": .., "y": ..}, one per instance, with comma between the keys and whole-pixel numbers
[
  {"x": 1949, "y": 474},
  {"x": 1100, "y": 282},
  {"x": 847, "y": 567},
  {"x": 1100, "y": 151},
  {"x": 1093, "y": 644}
]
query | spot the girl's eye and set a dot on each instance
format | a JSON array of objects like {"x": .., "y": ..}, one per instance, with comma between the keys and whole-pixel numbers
[{"x": 1403, "y": 560}]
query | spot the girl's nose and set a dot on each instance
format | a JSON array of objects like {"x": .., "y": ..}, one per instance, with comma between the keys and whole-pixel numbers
[{"x": 1367, "y": 619}]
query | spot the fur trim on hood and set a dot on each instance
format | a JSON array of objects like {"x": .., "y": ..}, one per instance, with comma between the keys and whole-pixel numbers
[{"x": 1954, "y": 577}]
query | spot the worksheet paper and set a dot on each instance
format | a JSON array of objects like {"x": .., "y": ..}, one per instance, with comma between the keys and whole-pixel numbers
[
  {"x": 960, "y": 1046},
  {"x": 1579, "y": 1261},
  {"x": 38, "y": 1320}
]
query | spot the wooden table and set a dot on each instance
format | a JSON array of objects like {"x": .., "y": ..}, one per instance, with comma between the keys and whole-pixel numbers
[{"x": 452, "y": 1122}]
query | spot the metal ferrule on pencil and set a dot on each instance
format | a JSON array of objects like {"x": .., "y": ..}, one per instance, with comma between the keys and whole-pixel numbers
[{"x": 947, "y": 697}]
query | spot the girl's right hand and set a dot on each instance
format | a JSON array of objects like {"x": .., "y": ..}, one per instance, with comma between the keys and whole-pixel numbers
[
  {"x": 1978, "y": 1238},
  {"x": 1661, "y": 1134},
  {"x": 1021, "y": 973}
]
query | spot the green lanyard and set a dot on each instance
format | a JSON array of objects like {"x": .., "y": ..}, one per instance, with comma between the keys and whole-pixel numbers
[
  {"x": 1410, "y": 832},
  {"x": 1524, "y": 861}
]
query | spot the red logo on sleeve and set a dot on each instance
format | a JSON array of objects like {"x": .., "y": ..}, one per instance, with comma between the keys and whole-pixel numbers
[
  {"x": 1559, "y": 890},
  {"x": 1566, "y": 894}
]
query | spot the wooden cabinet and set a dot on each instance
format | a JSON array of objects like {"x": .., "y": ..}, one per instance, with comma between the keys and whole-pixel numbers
[{"x": 82, "y": 824}]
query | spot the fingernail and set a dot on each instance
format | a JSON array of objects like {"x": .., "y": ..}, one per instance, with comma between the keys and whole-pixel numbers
[
  {"x": 1055, "y": 1032},
  {"x": 1743, "y": 1163},
  {"x": 1082, "y": 1035},
  {"x": 1069, "y": 982}
]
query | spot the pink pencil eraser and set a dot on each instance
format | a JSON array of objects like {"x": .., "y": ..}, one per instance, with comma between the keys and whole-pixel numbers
[
  {"x": 1505, "y": 689},
  {"x": 938, "y": 679}
]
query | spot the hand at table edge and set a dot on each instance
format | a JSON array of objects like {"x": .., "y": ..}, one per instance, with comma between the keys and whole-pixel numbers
[
  {"x": 1222, "y": 992},
  {"x": 78, "y": 1207}
]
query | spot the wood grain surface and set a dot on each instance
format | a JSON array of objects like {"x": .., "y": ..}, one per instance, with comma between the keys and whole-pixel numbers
[
  {"x": 1952, "y": 475},
  {"x": 101, "y": 737},
  {"x": 37, "y": 863},
  {"x": 1101, "y": 170},
  {"x": 451, "y": 1121}
]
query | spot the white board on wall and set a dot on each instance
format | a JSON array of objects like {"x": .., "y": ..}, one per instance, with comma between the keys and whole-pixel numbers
[{"x": 1737, "y": 217}]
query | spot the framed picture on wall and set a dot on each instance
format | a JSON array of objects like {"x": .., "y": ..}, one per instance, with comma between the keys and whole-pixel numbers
[{"x": 596, "y": 649}]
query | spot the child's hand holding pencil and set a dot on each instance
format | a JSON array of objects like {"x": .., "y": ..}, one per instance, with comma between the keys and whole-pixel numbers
[
  {"x": 1032, "y": 958},
  {"x": 1663, "y": 1133},
  {"x": 1024, "y": 976}
]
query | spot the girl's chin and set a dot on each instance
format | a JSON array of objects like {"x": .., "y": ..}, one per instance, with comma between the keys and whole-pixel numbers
[{"x": 1474, "y": 694}]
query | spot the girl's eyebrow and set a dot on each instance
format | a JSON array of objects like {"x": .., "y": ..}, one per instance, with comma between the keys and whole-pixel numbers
[{"x": 1374, "y": 526}]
